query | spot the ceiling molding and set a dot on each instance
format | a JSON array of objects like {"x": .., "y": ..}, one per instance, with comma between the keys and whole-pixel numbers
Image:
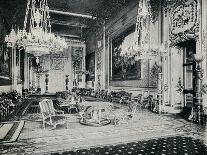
[
  {"x": 72, "y": 14},
  {"x": 69, "y": 23},
  {"x": 68, "y": 35}
]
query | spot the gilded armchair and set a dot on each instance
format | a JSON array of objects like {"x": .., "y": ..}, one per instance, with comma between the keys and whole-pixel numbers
[{"x": 50, "y": 115}]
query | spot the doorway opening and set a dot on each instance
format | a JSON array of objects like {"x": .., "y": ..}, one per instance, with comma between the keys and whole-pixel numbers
[{"x": 189, "y": 65}]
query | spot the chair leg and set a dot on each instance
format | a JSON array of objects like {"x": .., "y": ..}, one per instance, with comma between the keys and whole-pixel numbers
[
  {"x": 54, "y": 126},
  {"x": 44, "y": 124},
  {"x": 66, "y": 124}
]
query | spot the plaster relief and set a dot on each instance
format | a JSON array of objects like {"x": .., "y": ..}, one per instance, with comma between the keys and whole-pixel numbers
[{"x": 184, "y": 21}]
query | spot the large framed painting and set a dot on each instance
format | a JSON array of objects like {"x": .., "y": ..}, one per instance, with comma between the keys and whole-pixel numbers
[
  {"x": 5, "y": 66},
  {"x": 20, "y": 55},
  {"x": 77, "y": 57},
  {"x": 123, "y": 67},
  {"x": 77, "y": 62},
  {"x": 90, "y": 67}
]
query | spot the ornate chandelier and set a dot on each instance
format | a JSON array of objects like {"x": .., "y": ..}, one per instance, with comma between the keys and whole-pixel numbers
[
  {"x": 38, "y": 40},
  {"x": 142, "y": 47}
]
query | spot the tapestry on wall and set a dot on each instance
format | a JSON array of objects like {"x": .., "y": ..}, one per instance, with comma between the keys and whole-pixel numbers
[
  {"x": 45, "y": 63},
  {"x": 77, "y": 56},
  {"x": 57, "y": 62},
  {"x": 5, "y": 70},
  {"x": 124, "y": 67},
  {"x": 90, "y": 67}
]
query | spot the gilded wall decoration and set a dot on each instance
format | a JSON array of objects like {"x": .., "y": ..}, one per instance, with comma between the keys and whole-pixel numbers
[
  {"x": 99, "y": 59},
  {"x": 184, "y": 21},
  {"x": 154, "y": 74},
  {"x": 204, "y": 40}
]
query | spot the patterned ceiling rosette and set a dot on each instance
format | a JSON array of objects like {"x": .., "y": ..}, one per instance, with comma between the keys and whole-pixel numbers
[{"x": 184, "y": 21}]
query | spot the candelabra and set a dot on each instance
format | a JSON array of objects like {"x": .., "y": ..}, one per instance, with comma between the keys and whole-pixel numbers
[
  {"x": 159, "y": 84},
  {"x": 197, "y": 109}
]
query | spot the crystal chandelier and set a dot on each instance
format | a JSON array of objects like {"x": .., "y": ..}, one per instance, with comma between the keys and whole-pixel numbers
[
  {"x": 142, "y": 29},
  {"x": 38, "y": 40},
  {"x": 140, "y": 38},
  {"x": 141, "y": 47}
]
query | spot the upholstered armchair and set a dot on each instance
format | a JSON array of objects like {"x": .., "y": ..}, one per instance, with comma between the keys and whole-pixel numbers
[{"x": 50, "y": 115}]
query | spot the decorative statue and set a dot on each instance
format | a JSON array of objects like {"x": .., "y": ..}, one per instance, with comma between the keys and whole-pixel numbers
[
  {"x": 66, "y": 82},
  {"x": 46, "y": 81}
]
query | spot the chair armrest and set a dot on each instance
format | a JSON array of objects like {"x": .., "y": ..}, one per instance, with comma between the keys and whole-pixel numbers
[{"x": 45, "y": 115}]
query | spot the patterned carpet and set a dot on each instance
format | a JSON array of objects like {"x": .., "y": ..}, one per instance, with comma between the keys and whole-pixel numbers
[
  {"x": 163, "y": 146},
  {"x": 148, "y": 133},
  {"x": 12, "y": 132}
]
